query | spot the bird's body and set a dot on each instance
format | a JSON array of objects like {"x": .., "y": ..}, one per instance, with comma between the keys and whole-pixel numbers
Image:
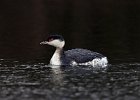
[
  {"x": 76, "y": 56},
  {"x": 82, "y": 55}
]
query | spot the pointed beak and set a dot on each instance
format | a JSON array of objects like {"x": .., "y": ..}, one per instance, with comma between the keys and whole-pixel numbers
[{"x": 44, "y": 42}]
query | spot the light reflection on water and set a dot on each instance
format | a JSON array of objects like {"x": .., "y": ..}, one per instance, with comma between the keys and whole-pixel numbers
[{"x": 32, "y": 81}]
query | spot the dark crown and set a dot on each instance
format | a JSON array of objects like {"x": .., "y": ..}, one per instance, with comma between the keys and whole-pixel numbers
[{"x": 54, "y": 37}]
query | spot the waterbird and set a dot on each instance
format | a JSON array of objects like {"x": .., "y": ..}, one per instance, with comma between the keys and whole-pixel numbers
[{"x": 77, "y": 56}]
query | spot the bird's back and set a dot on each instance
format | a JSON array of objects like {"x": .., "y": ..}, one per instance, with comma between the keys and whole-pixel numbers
[{"x": 81, "y": 55}]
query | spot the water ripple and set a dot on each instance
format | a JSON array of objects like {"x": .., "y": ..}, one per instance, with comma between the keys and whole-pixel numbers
[{"x": 32, "y": 81}]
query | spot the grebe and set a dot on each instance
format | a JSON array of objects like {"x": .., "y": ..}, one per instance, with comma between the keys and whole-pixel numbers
[{"x": 74, "y": 56}]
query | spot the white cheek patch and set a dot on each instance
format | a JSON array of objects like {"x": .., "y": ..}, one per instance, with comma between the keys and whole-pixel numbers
[{"x": 57, "y": 43}]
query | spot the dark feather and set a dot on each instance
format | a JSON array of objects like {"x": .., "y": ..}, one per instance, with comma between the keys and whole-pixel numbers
[{"x": 81, "y": 55}]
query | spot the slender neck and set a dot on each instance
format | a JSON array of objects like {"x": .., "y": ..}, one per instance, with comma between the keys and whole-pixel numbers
[
  {"x": 56, "y": 58},
  {"x": 59, "y": 50}
]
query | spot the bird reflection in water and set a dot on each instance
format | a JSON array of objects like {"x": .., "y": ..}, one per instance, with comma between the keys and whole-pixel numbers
[{"x": 57, "y": 75}]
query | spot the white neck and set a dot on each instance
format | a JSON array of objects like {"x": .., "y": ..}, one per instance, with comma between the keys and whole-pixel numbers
[{"x": 55, "y": 60}]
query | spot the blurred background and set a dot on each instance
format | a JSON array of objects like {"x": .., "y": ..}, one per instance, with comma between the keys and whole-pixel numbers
[{"x": 110, "y": 27}]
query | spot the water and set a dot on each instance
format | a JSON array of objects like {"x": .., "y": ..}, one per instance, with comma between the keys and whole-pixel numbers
[
  {"x": 108, "y": 27},
  {"x": 33, "y": 81}
]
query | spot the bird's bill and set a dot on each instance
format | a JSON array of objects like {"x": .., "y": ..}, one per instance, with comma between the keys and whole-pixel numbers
[{"x": 44, "y": 42}]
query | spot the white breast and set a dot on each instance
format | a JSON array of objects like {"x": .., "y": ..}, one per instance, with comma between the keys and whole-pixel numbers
[{"x": 55, "y": 60}]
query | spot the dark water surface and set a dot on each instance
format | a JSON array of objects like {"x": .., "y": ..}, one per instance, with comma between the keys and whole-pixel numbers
[
  {"x": 110, "y": 27},
  {"x": 33, "y": 81},
  {"x": 23, "y": 79}
]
